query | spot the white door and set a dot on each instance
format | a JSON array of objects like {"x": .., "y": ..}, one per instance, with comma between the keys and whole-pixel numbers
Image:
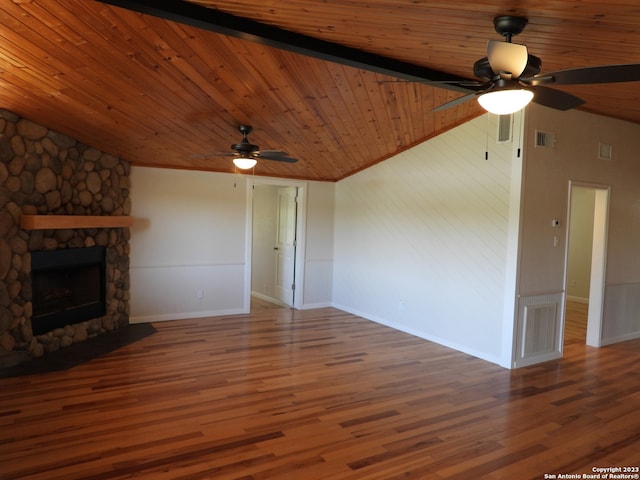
[{"x": 285, "y": 247}]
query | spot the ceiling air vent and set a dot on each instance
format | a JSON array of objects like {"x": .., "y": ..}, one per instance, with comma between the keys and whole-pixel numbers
[{"x": 545, "y": 139}]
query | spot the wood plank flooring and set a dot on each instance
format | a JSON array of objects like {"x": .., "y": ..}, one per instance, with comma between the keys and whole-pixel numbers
[
  {"x": 259, "y": 304},
  {"x": 317, "y": 394},
  {"x": 575, "y": 327}
]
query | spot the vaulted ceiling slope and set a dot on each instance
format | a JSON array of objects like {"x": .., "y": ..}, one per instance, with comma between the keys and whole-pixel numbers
[{"x": 162, "y": 92}]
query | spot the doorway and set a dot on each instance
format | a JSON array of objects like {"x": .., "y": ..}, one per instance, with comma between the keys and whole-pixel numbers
[
  {"x": 586, "y": 262},
  {"x": 275, "y": 250}
]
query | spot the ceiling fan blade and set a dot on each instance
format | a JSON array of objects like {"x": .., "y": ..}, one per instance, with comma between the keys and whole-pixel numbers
[
  {"x": 456, "y": 101},
  {"x": 550, "y": 97},
  {"x": 219, "y": 153},
  {"x": 277, "y": 155},
  {"x": 588, "y": 75},
  {"x": 271, "y": 153},
  {"x": 507, "y": 58},
  {"x": 280, "y": 159},
  {"x": 462, "y": 82}
]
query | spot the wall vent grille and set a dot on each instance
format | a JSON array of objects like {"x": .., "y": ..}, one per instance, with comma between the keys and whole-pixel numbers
[
  {"x": 539, "y": 329},
  {"x": 540, "y": 335},
  {"x": 545, "y": 139},
  {"x": 605, "y": 151},
  {"x": 505, "y": 124}
]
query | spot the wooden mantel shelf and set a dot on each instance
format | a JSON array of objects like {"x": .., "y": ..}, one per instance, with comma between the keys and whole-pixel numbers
[{"x": 46, "y": 222}]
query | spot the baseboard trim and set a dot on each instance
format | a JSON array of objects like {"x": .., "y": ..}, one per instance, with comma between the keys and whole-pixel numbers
[
  {"x": 184, "y": 316},
  {"x": 577, "y": 299},
  {"x": 424, "y": 336}
]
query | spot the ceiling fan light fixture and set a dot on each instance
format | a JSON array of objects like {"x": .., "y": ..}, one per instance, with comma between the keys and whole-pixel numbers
[
  {"x": 244, "y": 163},
  {"x": 505, "y": 101}
]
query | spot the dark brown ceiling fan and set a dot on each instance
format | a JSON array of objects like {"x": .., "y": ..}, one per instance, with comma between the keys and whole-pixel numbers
[
  {"x": 509, "y": 77},
  {"x": 246, "y": 155}
]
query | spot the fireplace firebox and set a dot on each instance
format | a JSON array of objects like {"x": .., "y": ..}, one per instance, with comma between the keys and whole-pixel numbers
[{"x": 68, "y": 286}]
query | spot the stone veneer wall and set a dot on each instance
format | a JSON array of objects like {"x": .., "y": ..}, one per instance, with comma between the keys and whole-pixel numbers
[{"x": 44, "y": 172}]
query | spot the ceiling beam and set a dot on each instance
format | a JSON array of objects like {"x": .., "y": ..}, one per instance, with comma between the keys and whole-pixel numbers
[{"x": 246, "y": 29}]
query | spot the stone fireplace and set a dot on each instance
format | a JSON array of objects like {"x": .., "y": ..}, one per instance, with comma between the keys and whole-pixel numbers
[{"x": 63, "y": 282}]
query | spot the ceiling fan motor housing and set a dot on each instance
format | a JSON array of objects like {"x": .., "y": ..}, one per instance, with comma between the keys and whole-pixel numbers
[
  {"x": 482, "y": 68},
  {"x": 246, "y": 150},
  {"x": 244, "y": 147}
]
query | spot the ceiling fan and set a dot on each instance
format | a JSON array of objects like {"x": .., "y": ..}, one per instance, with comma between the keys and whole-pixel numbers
[
  {"x": 246, "y": 155},
  {"x": 509, "y": 77}
]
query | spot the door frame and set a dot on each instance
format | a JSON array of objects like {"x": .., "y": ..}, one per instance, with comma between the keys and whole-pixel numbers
[
  {"x": 301, "y": 228},
  {"x": 597, "y": 282}
]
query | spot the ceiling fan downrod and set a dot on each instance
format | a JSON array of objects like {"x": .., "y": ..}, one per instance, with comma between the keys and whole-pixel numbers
[
  {"x": 245, "y": 130},
  {"x": 244, "y": 147},
  {"x": 509, "y": 26}
]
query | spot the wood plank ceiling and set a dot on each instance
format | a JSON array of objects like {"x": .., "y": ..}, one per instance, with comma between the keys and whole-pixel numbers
[{"x": 162, "y": 93}]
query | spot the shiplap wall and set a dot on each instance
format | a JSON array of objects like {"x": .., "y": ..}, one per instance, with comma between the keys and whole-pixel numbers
[{"x": 422, "y": 241}]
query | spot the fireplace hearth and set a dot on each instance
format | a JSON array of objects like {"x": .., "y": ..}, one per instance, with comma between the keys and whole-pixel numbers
[{"x": 68, "y": 287}]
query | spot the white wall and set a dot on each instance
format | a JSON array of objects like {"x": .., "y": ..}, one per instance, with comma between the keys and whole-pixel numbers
[
  {"x": 190, "y": 234},
  {"x": 319, "y": 252},
  {"x": 423, "y": 240},
  {"x": 547, "y": 172}
]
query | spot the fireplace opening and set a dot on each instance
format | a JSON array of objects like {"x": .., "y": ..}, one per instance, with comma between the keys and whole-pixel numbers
[{"x": 68, "y": 286}]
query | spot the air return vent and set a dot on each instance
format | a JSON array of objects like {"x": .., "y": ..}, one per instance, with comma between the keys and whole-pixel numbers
[
  {"x": 505, "y": 123},
  {"x": 604, "y": 151},
  {"x": 545, "y": 139}
]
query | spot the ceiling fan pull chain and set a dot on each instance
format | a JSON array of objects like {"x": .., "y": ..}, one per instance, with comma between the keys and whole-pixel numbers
[{"x": 486, "y": 145}]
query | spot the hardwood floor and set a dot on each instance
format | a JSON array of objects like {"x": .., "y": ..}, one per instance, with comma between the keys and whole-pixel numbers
[
  {"x": 260, "y": 304},
  {"x": 575, "y": 327},
  {"x": 317, "y": 394}
]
